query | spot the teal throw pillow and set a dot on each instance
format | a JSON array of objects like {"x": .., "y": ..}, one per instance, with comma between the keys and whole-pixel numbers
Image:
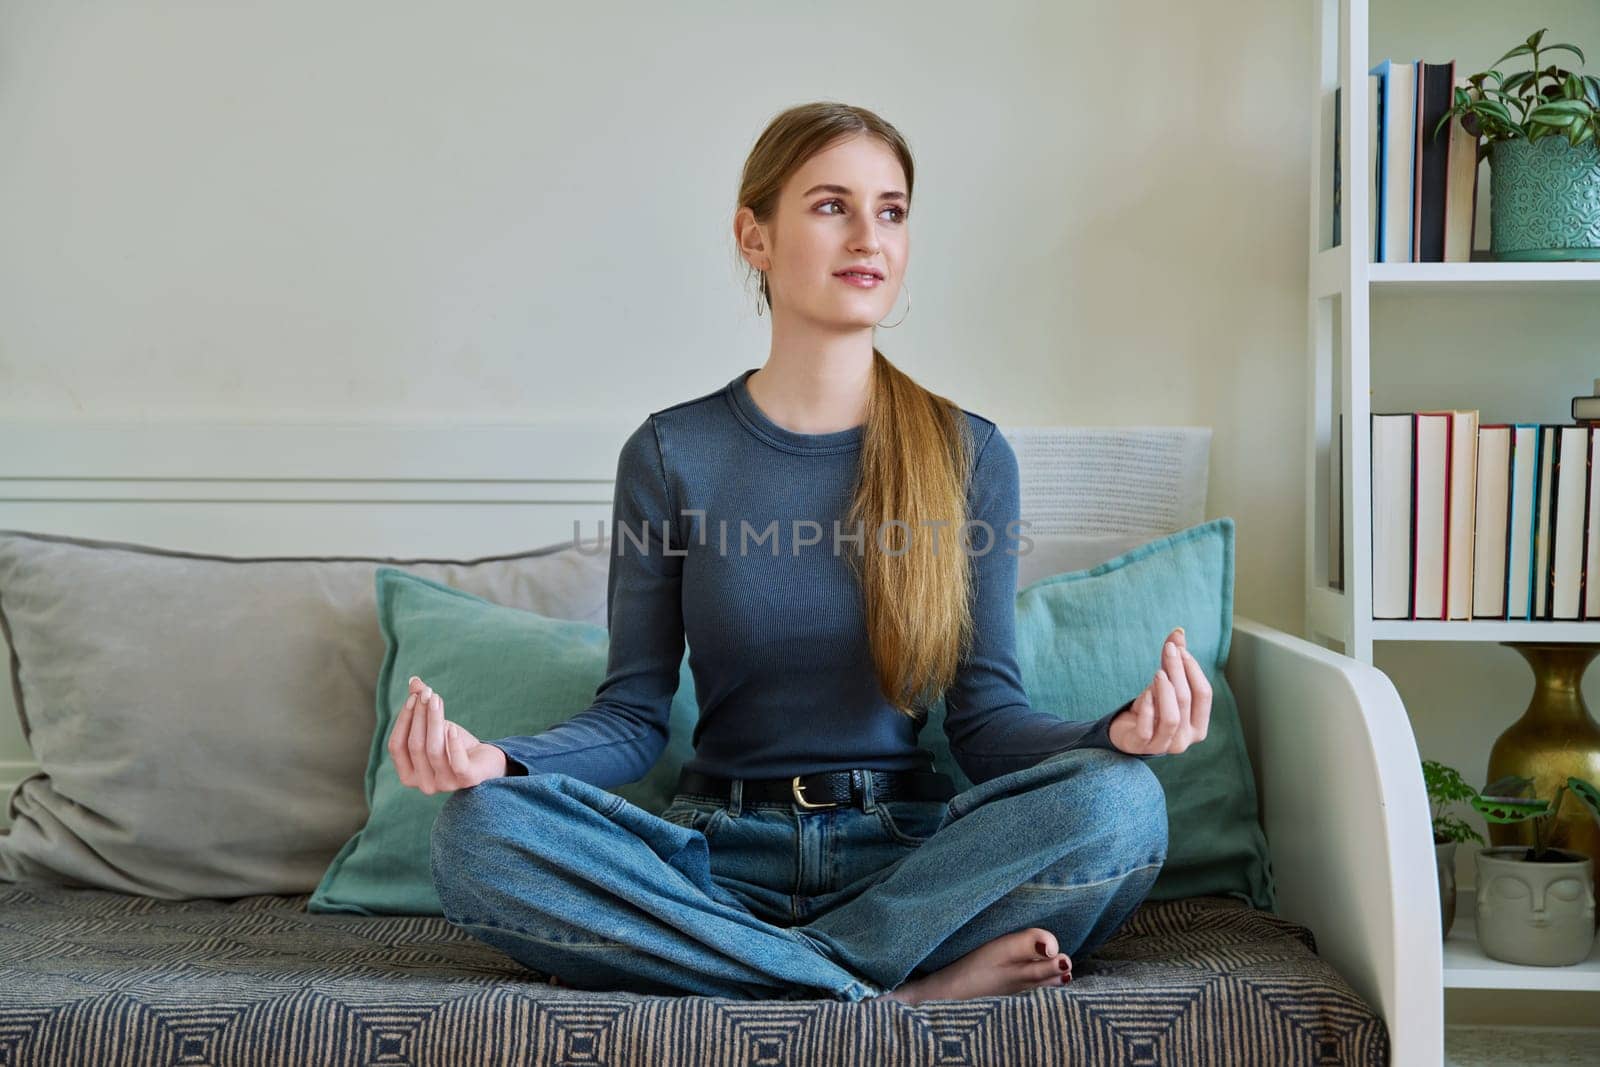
[
  {"x": 1088, "y": 641},
  {"x": 502, "y": 671}
]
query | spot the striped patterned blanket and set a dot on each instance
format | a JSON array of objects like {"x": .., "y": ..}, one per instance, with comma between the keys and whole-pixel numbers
[{"x": 93, "y": 977}]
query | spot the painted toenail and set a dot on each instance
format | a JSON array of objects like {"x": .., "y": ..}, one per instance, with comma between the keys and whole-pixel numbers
[
  {"x": 1039, "y": 947},
  {"x": 1064, "y": 964}
]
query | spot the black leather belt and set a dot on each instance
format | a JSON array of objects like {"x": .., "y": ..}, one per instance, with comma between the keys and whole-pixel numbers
[{"x": 831, "y": 789}]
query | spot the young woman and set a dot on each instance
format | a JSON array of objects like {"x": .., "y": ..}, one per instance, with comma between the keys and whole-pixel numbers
[{"x": 816, "y": 530}]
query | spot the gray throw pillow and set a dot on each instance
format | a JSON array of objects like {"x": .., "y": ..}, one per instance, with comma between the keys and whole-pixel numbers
[{"x": 202, "y": 723}]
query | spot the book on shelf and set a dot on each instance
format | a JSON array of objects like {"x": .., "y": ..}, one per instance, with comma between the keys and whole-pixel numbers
[
  {"x": 1460, "y": 478},
  {"x": 1393, "y": 437},
  {"x": 1541, "y": 525},
  {"x": 1461, "y": 190},
  {"x": 1587, "y": 408},
  {"x": 1331, "y": 181},
  {"x": 1591, "y": 533},
  {"x": 1374, "y": 165},
  {"x": 1430, "y": 533},
  {"x": 1396, "y": 159},
  {"x": 1561, "y": 577},
  {"x": 1490, "y": 521},
  {"x": 1478, "y": 520},
  {"x": 1424, "y": 182},
  {"x": 1435, "y": 84},
  {"x": 1519, "y": 529},
  {"x": 1336, "y": 510}
]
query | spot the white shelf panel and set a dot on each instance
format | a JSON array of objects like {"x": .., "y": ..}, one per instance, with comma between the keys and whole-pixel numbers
[
  {"x": 1330, "y": 271},
  {"x": 1466, "y": 967},
  {"x": 1329, "y": 613},
  {"x": 1479, "y": 275},
  {"x": 1483, "y": 630}
]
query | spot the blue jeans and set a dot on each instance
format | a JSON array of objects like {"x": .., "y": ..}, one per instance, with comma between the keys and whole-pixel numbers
[{"x": 772, "y": 901}]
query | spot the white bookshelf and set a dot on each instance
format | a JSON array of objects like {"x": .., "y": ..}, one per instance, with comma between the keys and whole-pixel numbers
[{"x": 1342, "y": 285}]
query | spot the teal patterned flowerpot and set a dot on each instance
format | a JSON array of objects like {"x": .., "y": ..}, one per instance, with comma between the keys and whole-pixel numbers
[{"x": 1544, "y": 199}]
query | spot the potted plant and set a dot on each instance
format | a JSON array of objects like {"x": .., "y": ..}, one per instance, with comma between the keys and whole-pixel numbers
[
  {"x": 1446, "y": 787},
  {"x": 1539, "y": 129},
  {"x": 1535, "y": 905}
]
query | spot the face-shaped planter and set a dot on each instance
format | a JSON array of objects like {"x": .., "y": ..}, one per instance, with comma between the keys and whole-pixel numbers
[{"x": 1536, "y": 913}]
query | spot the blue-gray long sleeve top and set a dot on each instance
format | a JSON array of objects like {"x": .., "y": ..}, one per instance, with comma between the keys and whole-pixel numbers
[{"x": 714, "y": 512}]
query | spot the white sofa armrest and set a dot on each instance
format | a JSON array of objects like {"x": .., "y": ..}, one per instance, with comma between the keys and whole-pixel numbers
[{"x": 1347, "y": 819}]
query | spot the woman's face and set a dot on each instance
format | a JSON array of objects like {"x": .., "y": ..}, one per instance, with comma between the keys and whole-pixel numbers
[{"x": 817, "y": 231}]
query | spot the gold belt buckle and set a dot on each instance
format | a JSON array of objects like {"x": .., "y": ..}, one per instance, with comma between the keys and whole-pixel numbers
[{"x": 802, "y": 801}]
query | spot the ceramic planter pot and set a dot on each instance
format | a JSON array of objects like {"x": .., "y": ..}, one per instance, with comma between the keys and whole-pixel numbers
[
  {"x": 1544, "y": 199},
  {"x": 1444, "y": 853},
  {"x": 1535, "y": 913}
]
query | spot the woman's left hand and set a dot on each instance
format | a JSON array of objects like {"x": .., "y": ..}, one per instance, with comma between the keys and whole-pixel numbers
[{"x": 1173, "y": 711}]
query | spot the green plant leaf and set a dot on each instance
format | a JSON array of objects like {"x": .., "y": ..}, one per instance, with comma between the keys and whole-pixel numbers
[
  {"x": 1520, "y": 50},
  {"x": 1555, "y": 803},
  {"x": 1555, "y": 74},
  {"x": 1574, "y": 49},
  {"x": 1582, "y": 789},
  {"x": 1444, "y": 783},
  {"x": 1495, "y": 110},
  {"x": 1550, "y": 126},
  {"x": 1511, "y": 84},
  {"x": 1509, "y": 809},
  {"x": 1560, "y": 112}
]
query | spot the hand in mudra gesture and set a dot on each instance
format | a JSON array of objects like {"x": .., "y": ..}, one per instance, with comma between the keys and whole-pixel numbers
[
  {"x": 434, "y": 754},
  {"x": 1173, "y": 711}
]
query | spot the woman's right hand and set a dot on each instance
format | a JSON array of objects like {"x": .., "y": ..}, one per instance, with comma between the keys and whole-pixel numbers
[{"x": 435, "y": 755}]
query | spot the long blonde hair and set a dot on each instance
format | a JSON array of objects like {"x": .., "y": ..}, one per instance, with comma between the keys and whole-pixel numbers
[{"x": 916, "y": 457}]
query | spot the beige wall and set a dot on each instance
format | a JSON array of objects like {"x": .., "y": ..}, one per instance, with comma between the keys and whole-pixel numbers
[{"x": 504, "y": 211}]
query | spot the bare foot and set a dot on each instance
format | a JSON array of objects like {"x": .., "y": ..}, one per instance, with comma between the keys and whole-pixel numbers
[{"x": 1011, "y": 963}]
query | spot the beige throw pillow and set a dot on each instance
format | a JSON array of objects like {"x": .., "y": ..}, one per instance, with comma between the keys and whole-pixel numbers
[{"x": 202, "y": 722}]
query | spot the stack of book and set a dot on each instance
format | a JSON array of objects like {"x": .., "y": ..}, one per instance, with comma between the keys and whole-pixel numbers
[
  {"x": 1496, "y": 521},
  {"x": 1424, "y": 187}
]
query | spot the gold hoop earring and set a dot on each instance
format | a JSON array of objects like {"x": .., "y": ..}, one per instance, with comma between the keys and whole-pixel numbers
[{"x": 907, "y": 288}]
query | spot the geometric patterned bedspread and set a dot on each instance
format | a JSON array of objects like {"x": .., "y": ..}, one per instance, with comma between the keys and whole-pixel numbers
[{"x": 95, "y": 977}]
